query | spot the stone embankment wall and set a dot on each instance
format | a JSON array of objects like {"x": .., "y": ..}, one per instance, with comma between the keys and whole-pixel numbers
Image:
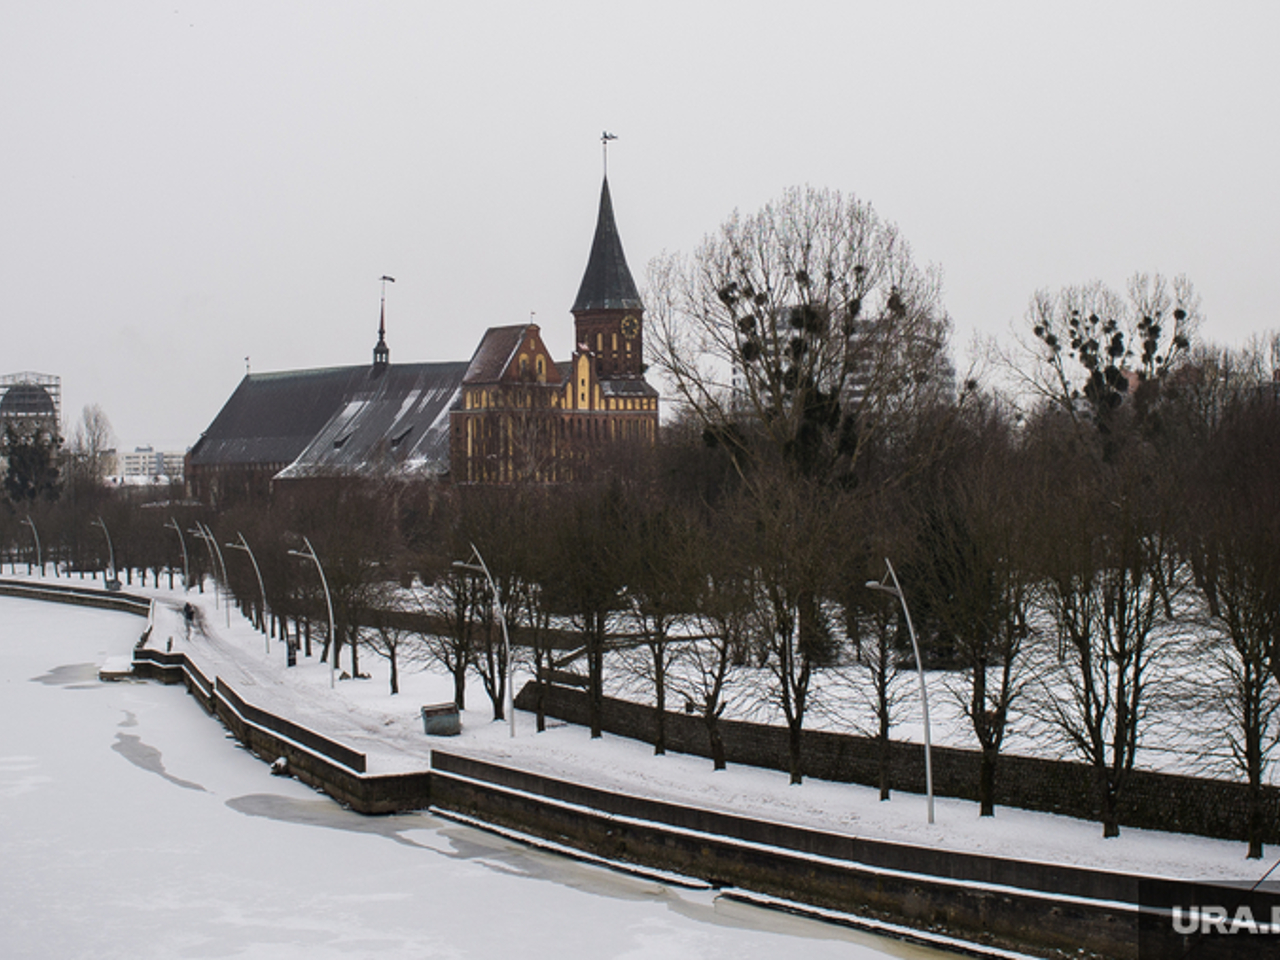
[
  {"x": 312, "y": 758},
  {"x": 63, "y": 592},
  {"x": 1156, "y": 801}
]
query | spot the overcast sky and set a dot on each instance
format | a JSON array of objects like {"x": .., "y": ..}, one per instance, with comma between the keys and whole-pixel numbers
[{"x": 187, "y": 184}]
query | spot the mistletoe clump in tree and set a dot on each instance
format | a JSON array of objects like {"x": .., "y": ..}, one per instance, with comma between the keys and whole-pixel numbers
[
  {"x": 800, "y": 333},
  {"x": 1108, "y": 518}
]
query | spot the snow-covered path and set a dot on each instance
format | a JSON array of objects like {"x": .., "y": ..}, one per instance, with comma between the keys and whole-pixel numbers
[
  {"x": 130, "y": 826},
  {"x": 364, "y": 716}
]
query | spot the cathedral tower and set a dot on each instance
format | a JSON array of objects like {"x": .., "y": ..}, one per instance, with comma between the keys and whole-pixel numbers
[{"x": 608, "y": 314}]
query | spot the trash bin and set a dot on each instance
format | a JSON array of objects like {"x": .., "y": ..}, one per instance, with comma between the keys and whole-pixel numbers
[{"x": 441, "y": 720}]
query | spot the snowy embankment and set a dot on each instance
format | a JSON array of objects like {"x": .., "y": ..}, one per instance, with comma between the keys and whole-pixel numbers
[
  {"x": 131, "y": 826},
  {"x": 388, "y": 729}
]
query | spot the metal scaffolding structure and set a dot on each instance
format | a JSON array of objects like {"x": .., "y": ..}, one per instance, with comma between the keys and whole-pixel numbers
[{"x": 31, "y": 401}]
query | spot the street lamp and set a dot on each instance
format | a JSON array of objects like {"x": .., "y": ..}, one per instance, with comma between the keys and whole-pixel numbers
[
  {"x": 204, "y": 533},
  {"x": 39, "y": 556},
  {"x": 480, "y": 567},
  {"x": 186, "y": 572},
  {"x": 114, "y": 582},
  {"x": 333, "y": 647},
  {"x": 226, "y": 581},
  {"x": 244, "y": 545},
  {"x": 896, "y": 591},
  {"x": 199, "y": 534}
]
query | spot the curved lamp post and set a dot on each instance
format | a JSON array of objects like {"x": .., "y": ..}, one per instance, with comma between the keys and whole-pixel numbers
[
  {"x": 310, "y": 554},
  {"x": 203, "y": 532},
  {"x": 480, "y": 567},
  {"x": 199, "y": 534},
  {"x": 896, "y": 591},
  {"x": 186, "y": 567},
  {"x": 39, "y": 556},
  {"x": 244, "y": 545},
  {"x": 226, "y": 581},
  {"x": 111, "y": 552}
]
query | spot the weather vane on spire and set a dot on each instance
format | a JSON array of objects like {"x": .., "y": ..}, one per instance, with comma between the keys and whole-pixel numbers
[
  {"x": 383, "y": 318},
  {"x": 605, "y": 137}
]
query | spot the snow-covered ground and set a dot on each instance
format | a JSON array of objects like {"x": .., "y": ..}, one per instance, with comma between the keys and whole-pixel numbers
[
  {"x": 132, "y": 827},
  {"x": 387, "y": 728}
]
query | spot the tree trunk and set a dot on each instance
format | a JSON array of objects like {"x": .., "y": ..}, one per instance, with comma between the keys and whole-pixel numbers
[
  {"x": 395, "y": 675},
  {"x": 540, "y": 663},
  {"x": 1256, "y": 823},
  {"x": 987, "y": 781},
  {"x": 660, "y": 697},
  {"x": 718, "y": 759},
  {"x": 884, "y": 763},
  {"x": 460, "y": 687},
  {"x": 1107, "y": 800},
  {"x": 794, "y": 746}
]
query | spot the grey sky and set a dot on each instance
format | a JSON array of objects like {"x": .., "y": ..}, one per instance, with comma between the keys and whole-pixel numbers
[{"x": 188, "y": 184}]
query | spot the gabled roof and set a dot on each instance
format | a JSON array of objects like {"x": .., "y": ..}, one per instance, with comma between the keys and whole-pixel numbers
[
  {"x": 493, "y": 355},
  {"x": 337, "y": 421},
  {"x": 396, "y": 423},
  {"x": 497, "y": 351},
  {"x": 271, "y": 417},
  {"x": 607, "y": 284}
]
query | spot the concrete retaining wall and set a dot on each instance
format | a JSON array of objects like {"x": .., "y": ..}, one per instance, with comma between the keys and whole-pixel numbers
[
  {"x": 314, "y": 759},
  {"x": 967, "y": 909},
  {"x": 81, "y": 596},
  {"x": 1155, "y": 801}
]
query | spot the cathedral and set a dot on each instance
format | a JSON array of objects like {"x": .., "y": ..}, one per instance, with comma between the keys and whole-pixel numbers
[{"x": 511, "y": 414}]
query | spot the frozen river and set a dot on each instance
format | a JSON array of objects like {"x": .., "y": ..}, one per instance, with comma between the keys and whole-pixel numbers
[{"x": 131, "y": 826}]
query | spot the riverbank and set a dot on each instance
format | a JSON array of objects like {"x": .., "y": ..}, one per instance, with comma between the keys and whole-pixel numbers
[{"x": 388, "y": 733}]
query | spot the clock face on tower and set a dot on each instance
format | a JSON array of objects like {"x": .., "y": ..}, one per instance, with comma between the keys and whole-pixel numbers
[{"x": 630, "y": 327}]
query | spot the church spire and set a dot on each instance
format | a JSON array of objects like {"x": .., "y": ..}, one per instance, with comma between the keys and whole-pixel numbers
[
  {"x": 381, "y": 352},
  {"x": 607, "y": 284}
]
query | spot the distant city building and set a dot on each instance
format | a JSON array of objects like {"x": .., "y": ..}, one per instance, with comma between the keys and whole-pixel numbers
[
  {"x": 149, "y": 462},
  {"x": 509, "y": 414}
]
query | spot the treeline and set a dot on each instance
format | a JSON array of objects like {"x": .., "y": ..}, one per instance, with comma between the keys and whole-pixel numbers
[
  {"x": 1082, "y": 533},
  {"x": 1042, "y": 557}
]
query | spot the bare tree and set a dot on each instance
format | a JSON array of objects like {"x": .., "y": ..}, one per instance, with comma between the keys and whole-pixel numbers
[
  {"x": 1095, "y": 346},
  {"x": 585, "y": 581},
  {"x": 663, "y": 571},
  {"x": 1110, "y": 576},
  {"x": 791, "y": 550},
  {"x": 972, "y": 574},
  {"x": 390, "y": 634},
  {"x": 92, "y": 445},
  {"x": 802, "y": 330},
  {"x": 1233, "y": 540},
  {"x": 1108, "y": 500},
  {"x": 451, "y": 601}
]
